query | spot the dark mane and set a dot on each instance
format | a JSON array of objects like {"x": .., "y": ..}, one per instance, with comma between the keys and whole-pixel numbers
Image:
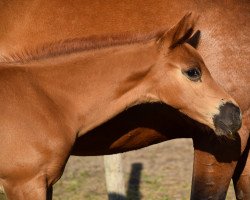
[{"x": 75, "y": 45}]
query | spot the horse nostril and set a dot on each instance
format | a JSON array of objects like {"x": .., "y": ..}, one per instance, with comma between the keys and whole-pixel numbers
[{"x": 229, "y": 118}]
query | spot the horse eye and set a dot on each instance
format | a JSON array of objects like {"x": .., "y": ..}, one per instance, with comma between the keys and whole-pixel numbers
[{"x": 194, "y": 74}]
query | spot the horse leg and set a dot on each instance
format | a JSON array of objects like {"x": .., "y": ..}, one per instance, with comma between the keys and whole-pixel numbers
[
  {"x": 241, "y": 176},
  {"x": 49, "y": 193},
  {"x": 214, "y": 164},
  {"x": 34, "y": 189},
  {"x": 29, "y": 175},
  {"x": 210, "y": 178}
]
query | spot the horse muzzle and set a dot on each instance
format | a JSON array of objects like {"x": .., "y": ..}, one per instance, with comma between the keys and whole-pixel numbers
[{"x": 228, "y": 121}]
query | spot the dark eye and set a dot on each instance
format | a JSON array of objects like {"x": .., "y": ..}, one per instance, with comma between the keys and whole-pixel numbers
[{"x": 194, "y": 74}]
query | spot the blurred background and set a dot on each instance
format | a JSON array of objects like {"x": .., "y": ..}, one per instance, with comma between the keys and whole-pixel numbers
[{"x": 158, "y": 172}]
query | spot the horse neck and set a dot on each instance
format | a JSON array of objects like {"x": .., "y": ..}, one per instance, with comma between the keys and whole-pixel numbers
[{"x": 97, "y": 85}]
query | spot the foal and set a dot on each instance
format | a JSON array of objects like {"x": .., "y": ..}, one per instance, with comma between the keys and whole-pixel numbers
[{"x": 47, "y": 102}]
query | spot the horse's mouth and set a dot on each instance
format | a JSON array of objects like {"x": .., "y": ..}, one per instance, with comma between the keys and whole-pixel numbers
[
  {"x": 228, "y": 121},
  {"x": 223, "y": 130}
]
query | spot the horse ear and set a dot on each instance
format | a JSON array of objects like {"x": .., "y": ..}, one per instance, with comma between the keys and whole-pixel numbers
[
  {"x": 194, "y": 40},
  {"x": 179, "y": 33}
]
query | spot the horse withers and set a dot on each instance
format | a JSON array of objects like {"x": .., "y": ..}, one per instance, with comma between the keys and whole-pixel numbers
[{"x": 52, "y": 96}]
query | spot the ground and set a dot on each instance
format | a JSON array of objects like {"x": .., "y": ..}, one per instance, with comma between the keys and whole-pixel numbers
[{"x": 160, "y": 172}]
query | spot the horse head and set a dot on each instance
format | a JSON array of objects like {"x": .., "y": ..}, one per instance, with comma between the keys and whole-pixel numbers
[{"x": 191, "y": 89}]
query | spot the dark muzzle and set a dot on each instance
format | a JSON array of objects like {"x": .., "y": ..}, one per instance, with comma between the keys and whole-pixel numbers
[{"x": 228, "y": 121}]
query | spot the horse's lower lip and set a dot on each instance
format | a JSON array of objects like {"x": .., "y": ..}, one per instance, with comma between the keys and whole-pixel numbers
[{"x": 224, "y": 131}]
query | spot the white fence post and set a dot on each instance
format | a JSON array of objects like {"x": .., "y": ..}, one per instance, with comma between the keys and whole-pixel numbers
[{"x": 114, "y": 177}]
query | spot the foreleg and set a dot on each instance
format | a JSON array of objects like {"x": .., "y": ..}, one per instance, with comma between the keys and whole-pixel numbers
[
  {"x": 214, "y": 164},
  {"x": 241, "y": 176}
]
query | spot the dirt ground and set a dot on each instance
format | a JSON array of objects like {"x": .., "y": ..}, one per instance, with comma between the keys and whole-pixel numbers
[{"x": 159, "y": 172}]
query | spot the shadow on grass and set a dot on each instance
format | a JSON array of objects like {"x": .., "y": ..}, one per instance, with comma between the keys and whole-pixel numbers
[
  {"x": 133, "y": 191},
  {"x": 2, "y": 196},
  {"x": 115, "y": 196}
]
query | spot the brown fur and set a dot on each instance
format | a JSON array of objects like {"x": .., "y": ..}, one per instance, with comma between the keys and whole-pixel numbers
[
  {"x": 76, "y": 45},
  {"x": 31, "y": 25}
]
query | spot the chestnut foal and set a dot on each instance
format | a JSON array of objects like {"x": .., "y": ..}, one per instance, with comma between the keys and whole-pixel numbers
[{"x": 49, "y": 98}]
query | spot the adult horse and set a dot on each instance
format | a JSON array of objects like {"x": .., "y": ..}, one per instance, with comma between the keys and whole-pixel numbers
[{"x": 34, "y": 26}]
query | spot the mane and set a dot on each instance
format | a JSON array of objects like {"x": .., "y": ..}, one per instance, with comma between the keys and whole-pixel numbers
[{"x": 75, "y": 45}]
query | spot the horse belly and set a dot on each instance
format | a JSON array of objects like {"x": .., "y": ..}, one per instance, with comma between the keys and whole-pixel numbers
[{"x": 110, "y": 143}]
